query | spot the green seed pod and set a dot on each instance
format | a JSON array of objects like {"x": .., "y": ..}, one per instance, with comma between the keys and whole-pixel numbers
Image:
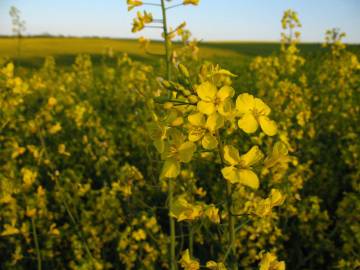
[{"x": 184, "y": 71}]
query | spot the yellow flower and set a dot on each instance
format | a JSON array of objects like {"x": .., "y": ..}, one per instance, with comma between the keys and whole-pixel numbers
[
  {"x": 183, "y": 210},
  {"x": 52, "y": 102},
  {"x": 187, "y": 263},
  {"x": 9, "y": 230},
  {"x": 191, "y": 2},
  {"x": 240, "y": 170},
  {"x": 55, "y": 128},
  {"x": 29, "y": 177},
  {"x": 139, "y": 235},
  {"x": 144, "y": 43},
  {"x": 254, "y": 112},
  {"x": 212, "y": 213},
  {"x": 158, "y": 135},
  {"x": 214, "y": 100},
  {"x": 279, "y": 155},
  {"x": 269, "y": 262},
  {"x": 133, "y": 4},
  {"x": 62, "y": 150},
  {"x": 264, "y": 207},
  {"x": 140, "y": 21},
  {"x": 203, "y": 130},
  {"x": 215, "y": 266},
  {"x": 176, "y": 150}
]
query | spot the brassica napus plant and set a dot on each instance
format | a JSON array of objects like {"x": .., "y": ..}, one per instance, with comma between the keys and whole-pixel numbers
[{"x": 197, "y": 112}]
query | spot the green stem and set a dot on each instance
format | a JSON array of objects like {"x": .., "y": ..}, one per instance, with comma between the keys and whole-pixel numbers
[
  {"x": 229, "y": 206},
  {"x": 172, "y": 225},
  {"x": 38, "y": 255},
  {"x": 167, "y": 41},
  {"x": 191, "y": 240}
]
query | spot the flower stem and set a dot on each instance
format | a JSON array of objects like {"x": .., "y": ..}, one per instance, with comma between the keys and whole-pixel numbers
[
  {"x": 172, "y": 262},
  {"x": 229, "y": 206},
  {"x": 191, "y": 240},
  {"x": 167, "y": 41},
  {"x": 38, "y": 255}
]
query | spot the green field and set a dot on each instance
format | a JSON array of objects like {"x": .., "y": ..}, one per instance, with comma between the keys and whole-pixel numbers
[{"x": 33, "y": 50}]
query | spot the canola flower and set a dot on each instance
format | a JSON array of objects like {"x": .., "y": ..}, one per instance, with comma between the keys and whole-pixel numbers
[
  {"x": 133, "y": 4},
  {"x": 191, "y": 2},
  {"x": 269, "y": 262},
  {"x": 176, "y": 151},
  {"x": 213, "y": 100},
  {"x": 254, "y": 112},
  {"x": 212, "y": 265},
  {"x": 264, "y": 207},
  {"x": 240, "y": 167},
  {"x": 141, "y": 20},
  {"x": 201, "y": 129},
  {"x": 187, "y": 263}
]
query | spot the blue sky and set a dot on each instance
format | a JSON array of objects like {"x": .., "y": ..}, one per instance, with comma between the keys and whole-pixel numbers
[{"x": 249, "y": 20}]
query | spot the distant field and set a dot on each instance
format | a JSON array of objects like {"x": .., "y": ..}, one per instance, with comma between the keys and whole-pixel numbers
[
  {"x": 64, "y": 49},
  {"x": 33, "y": 50}
]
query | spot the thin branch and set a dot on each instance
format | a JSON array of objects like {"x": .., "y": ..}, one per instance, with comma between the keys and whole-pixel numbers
[{"x": 174, "y": 6}]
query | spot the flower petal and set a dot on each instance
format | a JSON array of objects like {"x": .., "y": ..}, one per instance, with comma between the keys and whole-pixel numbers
[
  {"x": 159, "y": 145},
  {"x": 196, "y": 133},
  {"x": 206, "y": 91},
  {"x": 197, "y": 119},
  {"x": 225, "y": 92},
  {"x": 214, "y": 122},
  {"x": 226, "y": 107},
  {"x": 261, "y": 107},
  {"x": 253, "y": 156},
  {"x": 209, "y": 141},
  {"x": 248, "y": 178},
  {"x": 248, "y": 123},
  {"x": 245, "y": 102},
  {"x": 186, "y": 151},
  {"x": 170, "y": 169},
  {"x": 206, "y": 107},
  {"x": 268, "y": 126},
  {"x": 231, "y": 174},
  {"x": 231, "y": 155}
]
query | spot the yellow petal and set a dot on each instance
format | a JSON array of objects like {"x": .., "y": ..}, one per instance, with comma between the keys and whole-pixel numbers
[
  {"x": 248, "y": 123},
  {"x": 253, "y": 156},
  {"x": 225, "y": 92},
  {"x": 206, "y": 107},
  {"x": 231, "y": 155},
  {"x": 276, "y": 197},
  {"x": 186, "y": 151},
  {"x": 159, "y": 145},
  {"x": 244, "y": 103},
  {"x": 226, "y": 107},
  {"x": 261, "y": 107},
  {"x": 197, "y": 119},
  {"x": 231, "y": 174},
  {"x": 268, "y": 126},
  {"x": 176, "y": 137},
  {"x": 171, "y": 168},
  {"x": 196, "y": 133},
  {"x": 214, "y": 122},
  {"x": 248, "y": 178},
  {"x": 209, "y": 141},
  {"x": 9, "y": 230},
  {"x": 206, "y": 91}
]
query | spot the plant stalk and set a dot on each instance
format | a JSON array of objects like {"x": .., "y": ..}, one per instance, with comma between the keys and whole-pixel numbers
[
  {"x": 172, "y": 262},
  {"x": 37, "y": 247},
  {"x": 229, "y": 206},
  {"x": 167, "y": 41}
]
